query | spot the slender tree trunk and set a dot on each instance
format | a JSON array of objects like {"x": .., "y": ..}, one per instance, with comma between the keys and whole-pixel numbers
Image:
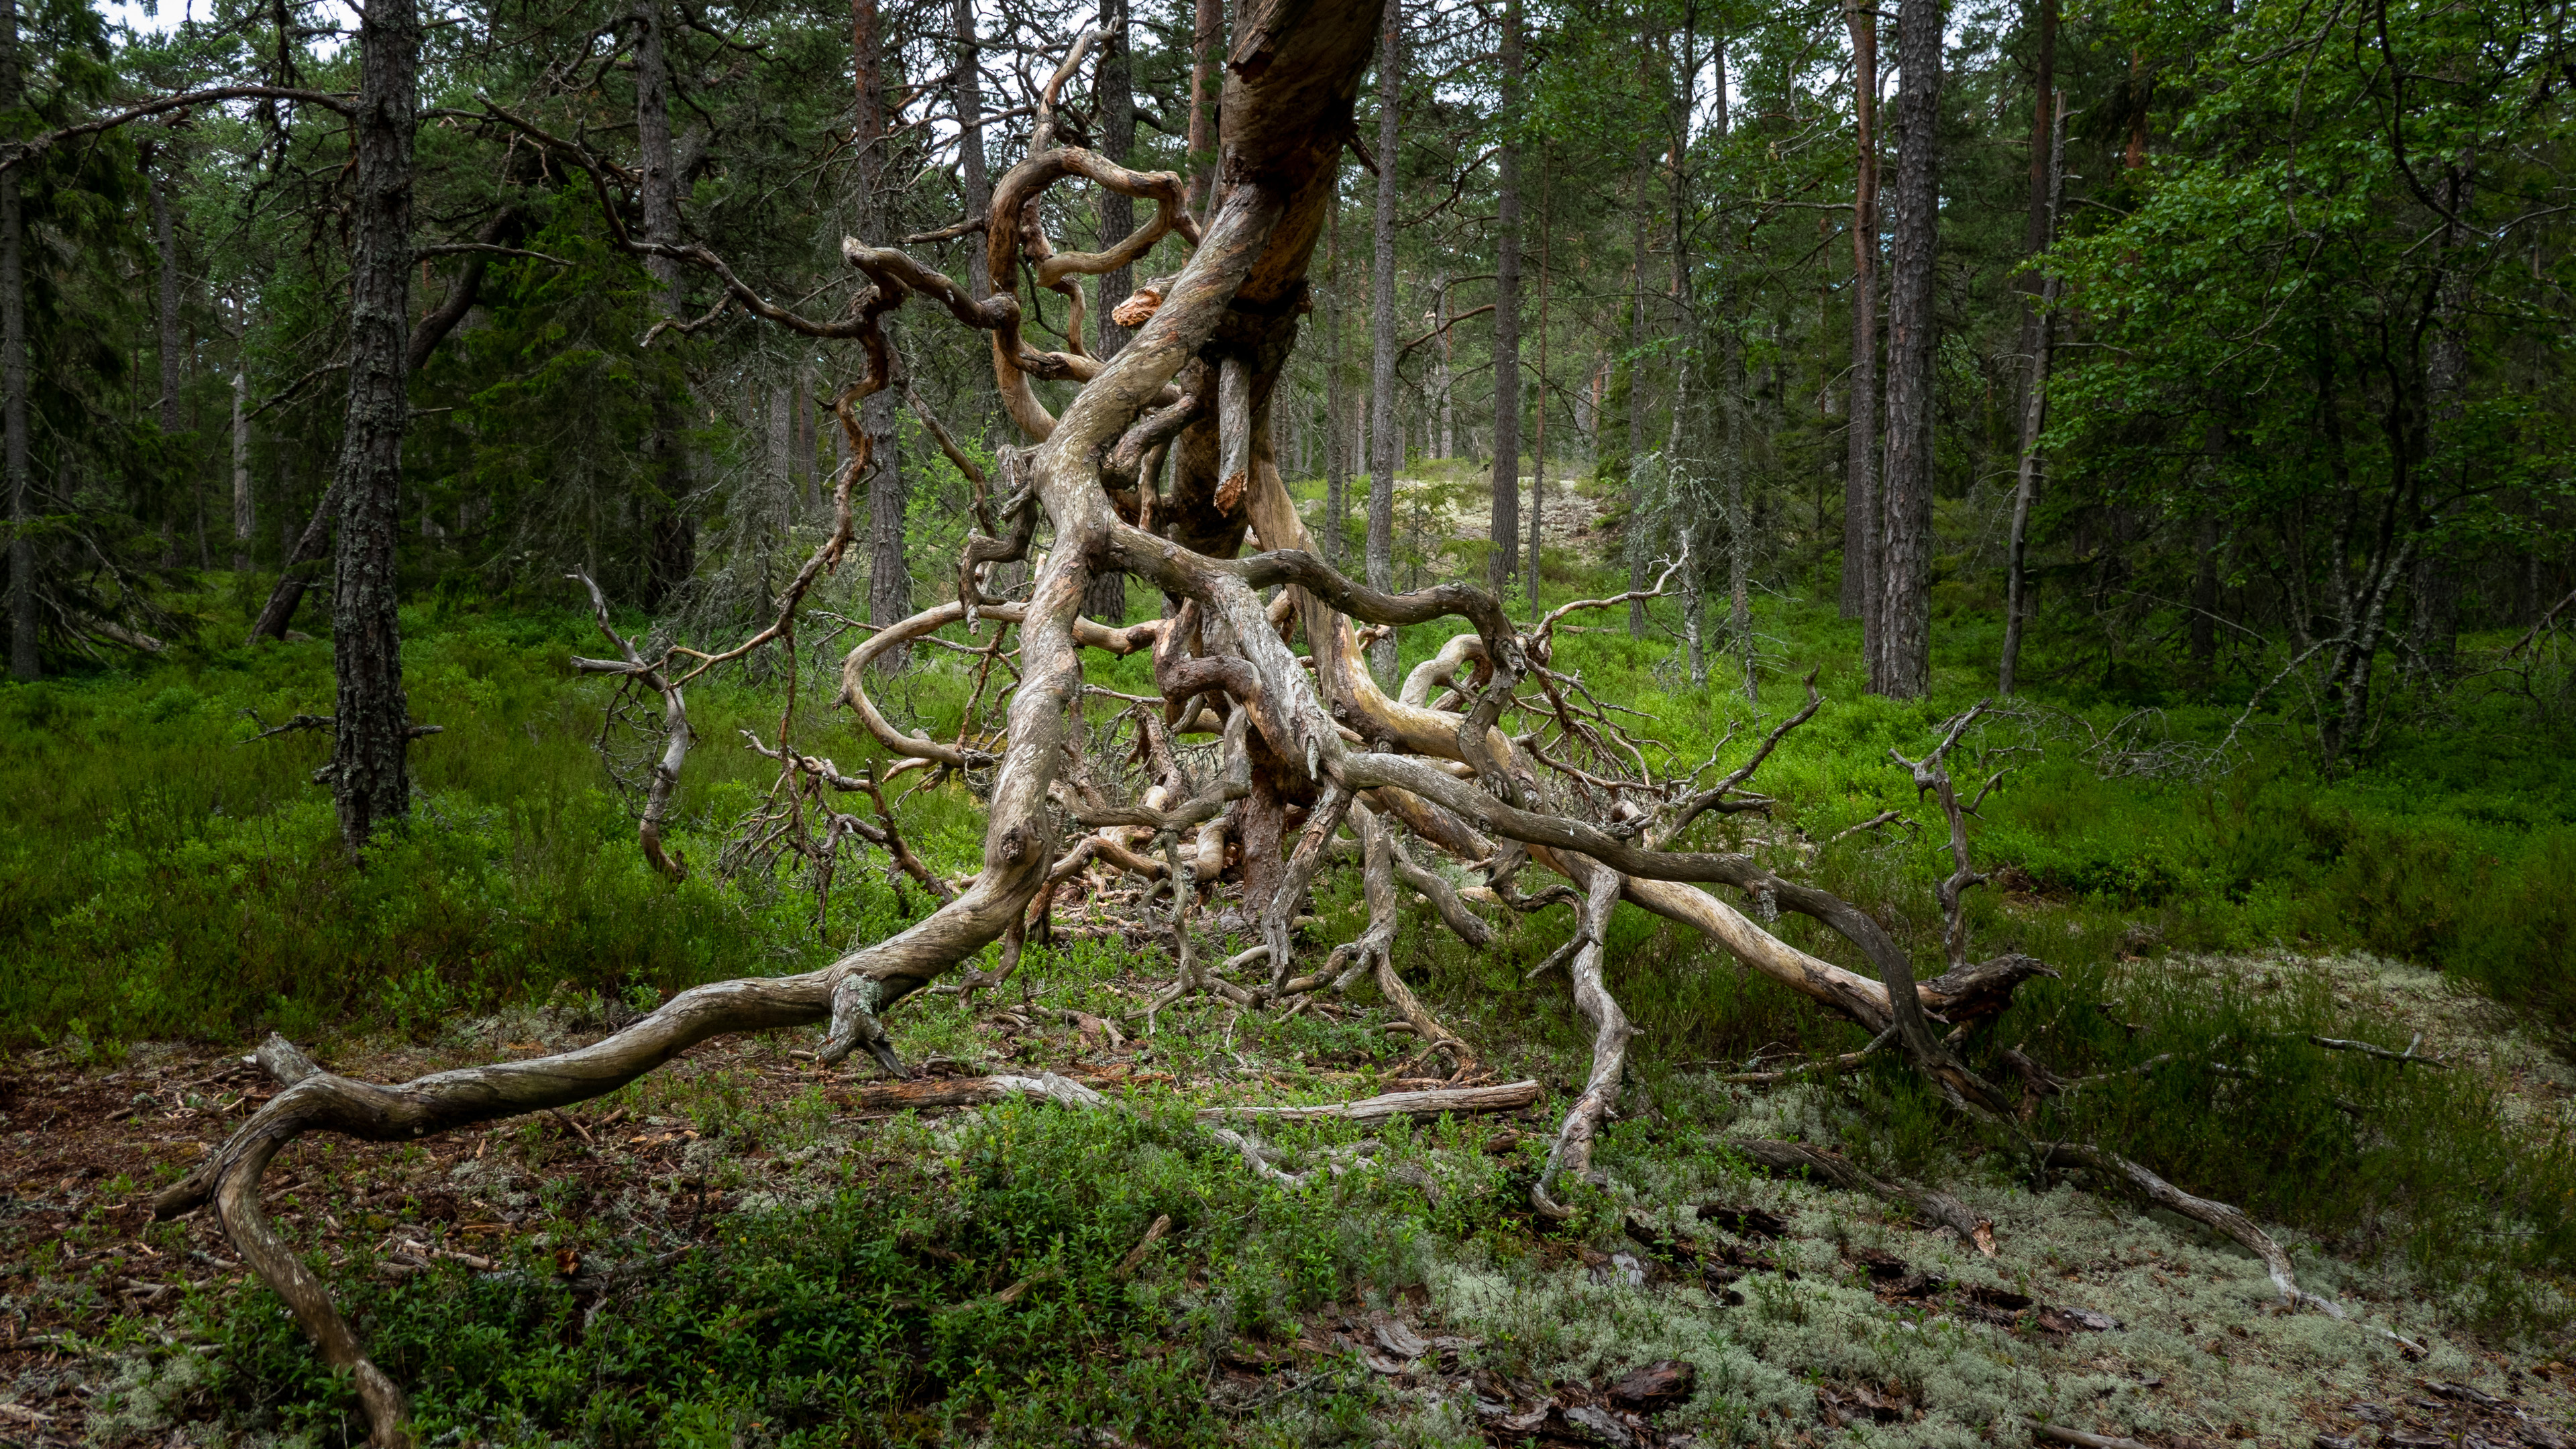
[
  {"x": 2434, "y": 622},
  {"x": 672, "y": 535},
  {"x": 970, "y": 141},
  {"x": 174, "y": 346},
  {"x": 23, "y": 659},
  {"x": 1337, "y": 455},
  {"x": 1639, "y": 306},
  {"x": 1206, "y": 33},
  {"x": 1446, "y": 376},
  {"x": 243, "y": 521},
  {"x": 1538, "y": 441},
  {"x": 1505, "y": 533},
  {"x": 1117, "y": 101},
  {"x": 370, "y": 775},
  {"x": 1382, "y": 344},
  {"x": 1906, "y": 668},
  {"x": 2034, "y": 415},
  {"x": 889, "y": 570},
  {"x": 1861, "y": 503},
  {"x": 2038, "y": 226}
]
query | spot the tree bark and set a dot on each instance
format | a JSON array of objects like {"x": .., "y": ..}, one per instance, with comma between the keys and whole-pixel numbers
[
  {"x": 1861, "y": 503},
  {"x": 370, "y": 778},
  {"x": 672, "y": 542},
  {"x": 1505, "y": 532},
  {"x": 1389, "y": 439},
  {"x": 1905, "y": 670},
  {"x": 2034, "y": 416},
  {"x": 24, "y": 661},
  {"x": 1114, "y": 83}
]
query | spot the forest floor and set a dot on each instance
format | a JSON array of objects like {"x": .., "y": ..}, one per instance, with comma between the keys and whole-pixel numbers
[
  {"x": 1446, "y": 1315},
  {"x": 739, "y": 1251}
]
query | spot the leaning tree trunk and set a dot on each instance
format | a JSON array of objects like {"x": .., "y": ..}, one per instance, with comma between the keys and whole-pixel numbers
[
  {"x": 1905, "y": 665},
  {"x": 1861, "y": 503},
  {"x": 23, "y": 660},
  {"x": 1389, "y": 451},
  {"x": 370, "y": 778},
  {"x": 1505, "y": 532}
]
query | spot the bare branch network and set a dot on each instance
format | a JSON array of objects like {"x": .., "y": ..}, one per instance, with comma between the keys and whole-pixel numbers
[{"x": 1162, "y": 467}]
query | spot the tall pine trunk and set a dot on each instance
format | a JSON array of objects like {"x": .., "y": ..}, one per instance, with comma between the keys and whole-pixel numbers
[
  {"x": 1117, "y": 101},
  {"x": 370, "y": 774},
  {"x": 671, "y": 534},
  {"x": 970, "y": 141},
  {"x": 1538, "y": 411},
  {"x": 1905, "y": 665},
  {"x": 889, "y": 570},
  {"x": 1105, "y": 598},
  {"x": 1861, "y": 502},
  {"x": 1207, "y": 30},
  {"x": 1505, "y": 532},
  {"x": 1639, "y": 307},
  {"x": 174, "y": 347},
  {"x": 1337, "y": 456},
  {"x": 1388, "y": 437}
]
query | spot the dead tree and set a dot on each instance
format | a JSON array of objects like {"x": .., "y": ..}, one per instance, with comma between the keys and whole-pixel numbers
[{"x": 1568, "y": 789}]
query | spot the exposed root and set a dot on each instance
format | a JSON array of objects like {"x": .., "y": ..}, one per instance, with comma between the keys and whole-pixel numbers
[{"x": 1572, "y": 1150}]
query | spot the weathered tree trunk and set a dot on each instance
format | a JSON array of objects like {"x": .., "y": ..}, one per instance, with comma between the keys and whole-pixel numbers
[
  {"x": 1113, "y": 81},
  {"x": 370, "y": 778},
  {"x": 24, "y": 661},
  {"x": 1862, "y": 506},
  {"x": 672, "y": 534},
  {"x": 970, "y": 141},
  {"x": 1382, "y": 344},
  {"x": 2034, "y": 416},
  {"x": 1906, "y": 666},
  {"x": 1505, "y": 532}
]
